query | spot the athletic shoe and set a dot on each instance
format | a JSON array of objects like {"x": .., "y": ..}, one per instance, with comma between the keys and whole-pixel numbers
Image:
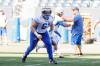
[
  {"x": 52, "y": 61},
  {"x": 61, "y": 57},
  {"x": 24, "y": 59}
]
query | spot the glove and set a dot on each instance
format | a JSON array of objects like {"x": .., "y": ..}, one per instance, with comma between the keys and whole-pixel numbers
[{"x": 59, "y": 23}]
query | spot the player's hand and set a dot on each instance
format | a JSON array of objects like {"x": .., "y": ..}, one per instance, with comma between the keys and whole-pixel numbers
[
  {"x": 59, "y": 23},
  {"x": 68, "y": 25},
  {"x": 39, "y": 36}
]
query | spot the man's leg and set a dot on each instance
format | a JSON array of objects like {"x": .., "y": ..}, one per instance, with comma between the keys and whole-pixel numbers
[
  {"x": 76, "y": 49},
  {"x": 76, "y": 39},
  {"x": 57, "y": 41},
  {"x": 0, "y": 34},
  {"x": 59, "y": 49},
  {"x": 54, "y": 46},
  {"x": 79, "y": 44},
  {"x": 79, "y": 48},
  {"x": 47, "y": 41},
  {"x": 4, "y": 33},
  {"x": 33, "y": 42}
]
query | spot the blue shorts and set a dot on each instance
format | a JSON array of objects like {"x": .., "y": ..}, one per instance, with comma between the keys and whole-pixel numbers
[
  {"x": 76, "y": 39},
  {"x": 2, "y": 30}
]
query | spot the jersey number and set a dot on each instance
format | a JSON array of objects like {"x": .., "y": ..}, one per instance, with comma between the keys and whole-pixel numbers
[{"x": 45, "y": 25}]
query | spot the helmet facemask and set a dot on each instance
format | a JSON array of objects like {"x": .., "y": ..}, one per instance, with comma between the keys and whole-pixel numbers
[{"x": 46, "y": 13}]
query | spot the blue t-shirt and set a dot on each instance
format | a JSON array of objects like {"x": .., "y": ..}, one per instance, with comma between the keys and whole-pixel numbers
[{"x": 77, "y": 27}]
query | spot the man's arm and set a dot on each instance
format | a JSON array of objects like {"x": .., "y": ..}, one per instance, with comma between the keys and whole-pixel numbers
[
  {"x": 68, "y": 19},
  {"x": 6, "y": 22},
  {"x": 67, "y": 25},
  {"x": 51, "y": 26},
  {"x": 62, "y": 23},
  {"x": 33, "y": 25}
]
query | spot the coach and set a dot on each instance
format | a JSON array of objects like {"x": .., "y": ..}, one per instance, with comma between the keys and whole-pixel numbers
[{"x": 77, "y": 30}]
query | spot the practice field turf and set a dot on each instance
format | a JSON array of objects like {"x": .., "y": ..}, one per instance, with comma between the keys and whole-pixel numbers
[{"x": 41, "y": 60}]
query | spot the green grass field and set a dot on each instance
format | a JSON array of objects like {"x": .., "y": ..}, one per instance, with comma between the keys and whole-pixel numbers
[{"x": 9, "y": 59}]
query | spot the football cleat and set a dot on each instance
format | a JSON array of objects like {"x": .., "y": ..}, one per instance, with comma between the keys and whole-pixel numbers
[{"x": 52, "y": 61}]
